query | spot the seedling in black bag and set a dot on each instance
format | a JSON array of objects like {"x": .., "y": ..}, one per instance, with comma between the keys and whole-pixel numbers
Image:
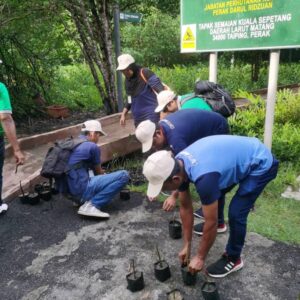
[
  {"x": 161, "y": 268},
  {"x": 135, "y": 279},
  {"x": 175, "y": 230}
]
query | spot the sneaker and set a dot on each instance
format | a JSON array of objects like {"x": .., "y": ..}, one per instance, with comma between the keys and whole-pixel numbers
[
  {"x": 3, "y": 208},
  {"x": 199, "y": 213},
  {"x": 87, "y": 209},
  {"x": 224, "y": 266},
  {"x": 198, "y": 229}
]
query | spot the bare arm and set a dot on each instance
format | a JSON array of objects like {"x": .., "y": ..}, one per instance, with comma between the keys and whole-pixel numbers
[
  {"x": 209, "y": 234},
  {"x": 210, "y": 228},
  {"x": 123, "y": 116},
  {"x": 187, "y": 218},
  {"x": 9, "y": 128}
]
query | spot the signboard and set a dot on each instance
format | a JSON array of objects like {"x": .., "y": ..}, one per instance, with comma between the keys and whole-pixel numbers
[
  {"x": 227, "y": 25},
  {"x": 130, "y": 17}
]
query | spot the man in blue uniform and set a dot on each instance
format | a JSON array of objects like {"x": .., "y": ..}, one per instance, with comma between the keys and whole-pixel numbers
[
  {"x": 214, "y": 164},
  {"x": 177, "y": 131},
  {"x": 97, "y": 191}
]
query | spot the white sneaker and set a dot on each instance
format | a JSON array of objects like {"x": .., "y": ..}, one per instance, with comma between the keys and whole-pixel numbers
[
  {"x": 3, "y": 208},
  {"x": 87, "y": 209}
]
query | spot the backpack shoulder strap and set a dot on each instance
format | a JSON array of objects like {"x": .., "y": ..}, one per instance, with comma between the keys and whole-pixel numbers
[
  {"x": 146, "y": 81},
  {"x": 78, "y": 141},
  {"x": 80, "y": 164},
  {"x": 143, "y": 76}
]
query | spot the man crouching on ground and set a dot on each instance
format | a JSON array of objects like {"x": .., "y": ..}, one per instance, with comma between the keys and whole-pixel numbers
[
  {"x": 97, "y": 191},
  {"x": 214, "y": 164}
]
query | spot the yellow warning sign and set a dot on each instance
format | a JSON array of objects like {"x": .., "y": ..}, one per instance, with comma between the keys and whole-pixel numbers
[{"x": 188, "y": 39}]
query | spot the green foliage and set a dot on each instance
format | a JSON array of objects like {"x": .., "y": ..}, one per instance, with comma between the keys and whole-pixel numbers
[
  {"x": 286, "y": 139},
  {"x": 74, "y": 87},
  {"x": 181, "y": 79},
  {"x": 33, "y": 43},
  {"x": 250, "y": 121},
  {"x": 286, "y": 133},
  {"x": 287, "y": 107},
  {"x": 155, "y": 41}
]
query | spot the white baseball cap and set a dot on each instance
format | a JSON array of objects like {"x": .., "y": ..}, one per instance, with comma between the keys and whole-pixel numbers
[
  {"x": 124, "y": 61},
  {"x": 144, "y": 133},
  {"x": 92, "y": 125},
  {"x": 163, "y": 98},
  {"x": 157, "y": 168}
]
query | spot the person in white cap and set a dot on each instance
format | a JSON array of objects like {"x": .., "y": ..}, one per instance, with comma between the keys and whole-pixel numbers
[
  {"x": 214, "y": 165},
  {"x": 96, "y": 191},
  {"x": 169, "y": 102},
  {"x": 176, "y": 132},
  {"x": 141, "y": 86},
  {"x": 8, "y": 127}
]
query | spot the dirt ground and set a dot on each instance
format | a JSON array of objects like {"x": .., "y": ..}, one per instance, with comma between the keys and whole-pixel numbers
[
  {"x": 49, "y": 252},
  {"x": 45, "y": 123}
]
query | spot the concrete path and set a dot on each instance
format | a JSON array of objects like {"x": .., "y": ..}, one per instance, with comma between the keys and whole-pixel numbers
[
  {"x": 120, "y": 141},
  {"x": 49, "y": 252}
]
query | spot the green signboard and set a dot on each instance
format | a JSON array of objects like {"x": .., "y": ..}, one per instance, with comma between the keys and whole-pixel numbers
[
  {"x": 216, "y": 25},
  {"x": 130, "y": 17}
]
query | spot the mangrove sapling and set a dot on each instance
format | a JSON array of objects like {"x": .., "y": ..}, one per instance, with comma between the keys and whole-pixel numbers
[
  {"x": 188, "y": 277},
  {"x": 23, "y": 196},
  {"x": 161, "y": 268},
  {"x": 209, "y": 289},
  {"x": 33, "y": 197},
  {"x": 175, "y": 230},
  {"x": 135, "y": 279}
]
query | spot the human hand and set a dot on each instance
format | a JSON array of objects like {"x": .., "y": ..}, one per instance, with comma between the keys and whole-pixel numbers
[
  {"x": 184, "y": 254},
  {"x": 169, "y": 203},
  {"x": 196, "y": 264},
  {"x": 123, "y": 120},
  {"x": 19, "y": 156}
]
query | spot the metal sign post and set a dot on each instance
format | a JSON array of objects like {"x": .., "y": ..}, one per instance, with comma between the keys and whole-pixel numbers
[
  {"x": 271, "y": 98},
  {"x": 118, "y": 52},
  {"x": 213, "y": 66}
]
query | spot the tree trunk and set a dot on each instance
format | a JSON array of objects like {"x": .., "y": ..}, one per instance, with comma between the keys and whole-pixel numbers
[
  {"x": 256, "y": 62},
  {"x": 93, "y": 23}
]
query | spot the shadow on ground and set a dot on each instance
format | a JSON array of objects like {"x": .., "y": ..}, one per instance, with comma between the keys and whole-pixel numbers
[{"x": 49, "y": 252}]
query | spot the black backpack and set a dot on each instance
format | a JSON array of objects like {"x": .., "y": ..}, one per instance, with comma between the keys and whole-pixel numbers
[
  {"x": 56, "y": 161},
  {"x": 216, "y": 97}
]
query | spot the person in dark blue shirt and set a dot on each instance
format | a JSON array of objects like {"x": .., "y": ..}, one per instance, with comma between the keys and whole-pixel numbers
[
  {"x": 96, "y": 191},
  {"x": 177, "y": 131},
  {"x": 214, "y": 164},
  {"x": 141, "y": 86}
]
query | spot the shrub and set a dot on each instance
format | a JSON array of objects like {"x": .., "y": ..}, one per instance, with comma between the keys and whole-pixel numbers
[
  {"x": 287, "y": 108},
  {"x": 286, "y": 131},
  {"x": 74, "y": 87},
  {"x": 286, "y": 144}
]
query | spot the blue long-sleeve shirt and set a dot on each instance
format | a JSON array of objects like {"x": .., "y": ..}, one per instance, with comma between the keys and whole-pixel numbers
[{"x": 143, "y": 97}]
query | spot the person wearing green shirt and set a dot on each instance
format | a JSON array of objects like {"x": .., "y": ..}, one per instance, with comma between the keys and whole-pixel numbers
[
  {"x": 8, "y": 128},
  {"x": 169, "y": 102}
]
